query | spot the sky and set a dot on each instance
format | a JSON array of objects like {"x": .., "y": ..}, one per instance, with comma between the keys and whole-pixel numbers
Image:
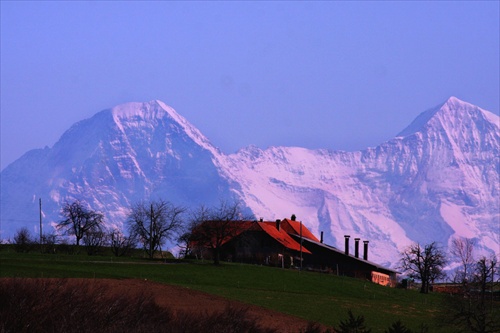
[{"x": 337, "y": 75}]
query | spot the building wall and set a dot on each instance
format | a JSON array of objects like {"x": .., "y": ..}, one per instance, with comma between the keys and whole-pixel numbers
[
  {"x": 257, "y": 247},
  {"x": 328, "y": 259},
  {"x": 381, "y": 278}
]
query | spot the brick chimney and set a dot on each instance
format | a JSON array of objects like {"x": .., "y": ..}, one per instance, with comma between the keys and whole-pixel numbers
[
  {"x": 356, "y": 247},
  {"x": 278, "y": 224},
  {"x": 347, "y": 244},
  {"x": 365, "y": 250}
]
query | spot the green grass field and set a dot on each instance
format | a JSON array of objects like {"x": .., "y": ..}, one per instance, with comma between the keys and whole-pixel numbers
[{"x": 316, "y": 297}]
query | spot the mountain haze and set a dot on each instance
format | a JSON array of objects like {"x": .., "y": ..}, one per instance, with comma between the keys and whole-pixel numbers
[
  {"x": 129, "y": 153},
  {"x": 437, "y": 179}
]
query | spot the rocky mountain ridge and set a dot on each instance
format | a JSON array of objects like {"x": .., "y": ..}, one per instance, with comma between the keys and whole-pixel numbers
[{"x": 435, "y": 180}]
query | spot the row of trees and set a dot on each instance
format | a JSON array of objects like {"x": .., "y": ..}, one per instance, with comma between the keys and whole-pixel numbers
[
  {"x": 93, "y": 241},
  {"x": 426, "y": 264},
  {"x": 154, "y": 223},
  {"x": 150, "y": 225}
]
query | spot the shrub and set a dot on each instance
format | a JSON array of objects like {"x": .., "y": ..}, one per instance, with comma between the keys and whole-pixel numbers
[
  {"x": 23, "y": 241},
  {"x": 398, "y": 327},
  {"x": 49, "y": 242},
  {"x": 94, "y": 241},
  {"x": 353, "y": 324},
  {"x": 121, "y": 245}
]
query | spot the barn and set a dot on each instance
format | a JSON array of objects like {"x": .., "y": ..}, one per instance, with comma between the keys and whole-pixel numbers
[{"x": 288, "y": 243}]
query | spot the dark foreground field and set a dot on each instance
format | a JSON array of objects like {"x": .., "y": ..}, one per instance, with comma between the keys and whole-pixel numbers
[
  {"x": 281, "y": 299},
  {"x": 130, "y": 305}
]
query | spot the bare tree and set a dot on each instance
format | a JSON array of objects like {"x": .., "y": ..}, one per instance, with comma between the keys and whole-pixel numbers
[
  {"x": 93, "y": 241},
  {"x": 120, "y": 244},
  {"x": 154, "y": 223},
  {"x": 476, "y": 312},
  {"x": 79, "y": 220},
  {"x": 211, "y": 227},
  {"x": 184, "y": 243},
  {"x": 425, "y": 264},
  {"x": 463, "y": 250},
  {"x": 484, "y": 274}
]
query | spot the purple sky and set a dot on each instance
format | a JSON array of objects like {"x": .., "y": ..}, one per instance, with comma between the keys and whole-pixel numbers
[{"x": 339, "y": 75}]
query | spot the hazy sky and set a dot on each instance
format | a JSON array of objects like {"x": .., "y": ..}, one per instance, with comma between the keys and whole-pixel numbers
[{"x": 338, "y": 75}]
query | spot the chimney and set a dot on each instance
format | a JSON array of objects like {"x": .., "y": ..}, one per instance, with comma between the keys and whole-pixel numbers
[
  {"x": 321, "y": 239},
  {"x": 356, "y": 247},
  {"x": 365, "y": 252},
  {"x": 278, "y": 222},
  {"x": 293, "y": 218},
  {"x": 261, "y": 219},
  {"x": 347, "y": 244}
]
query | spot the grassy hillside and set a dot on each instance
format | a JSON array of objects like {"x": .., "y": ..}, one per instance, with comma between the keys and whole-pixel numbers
[{"x": 317, "y": 297}]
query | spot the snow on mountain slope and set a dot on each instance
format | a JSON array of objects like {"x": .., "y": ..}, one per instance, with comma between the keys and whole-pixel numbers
[
  {"x": 437, "y": 179},
  {"x": 119, "y": 156}
]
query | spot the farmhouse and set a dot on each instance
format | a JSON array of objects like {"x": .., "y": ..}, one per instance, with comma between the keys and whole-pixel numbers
[{"x": 289, "y": 243}]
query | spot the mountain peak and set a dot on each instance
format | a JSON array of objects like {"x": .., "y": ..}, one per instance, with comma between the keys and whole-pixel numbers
[
  {"x": 157, "y": 109},
  {"x": 151, "y": 109},
  {"x": 444, "y": 113},
  {"x": 454, "y": 103}
]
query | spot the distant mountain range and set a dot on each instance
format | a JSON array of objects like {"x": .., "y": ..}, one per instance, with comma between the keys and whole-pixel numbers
[{"x": 437, "y": 179}]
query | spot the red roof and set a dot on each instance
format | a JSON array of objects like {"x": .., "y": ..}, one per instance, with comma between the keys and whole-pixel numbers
[
  {"x": 282, "y": 237},
  {"x": 239, "y": 227},
  {"x": 293, "y": 227},
  {"x": 232, "y": 230}
]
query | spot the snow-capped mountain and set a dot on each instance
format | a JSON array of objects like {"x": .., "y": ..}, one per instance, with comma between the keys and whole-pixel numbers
[
  {"x": 439, "y": 178},
  {"x": 120, "y": 156}
]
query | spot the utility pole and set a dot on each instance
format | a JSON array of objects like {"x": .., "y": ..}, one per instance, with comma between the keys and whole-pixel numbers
[
  {"x": 300, "y": 245},
  {"x": 151, "y": 234},
  {"x": 41, "y": 232}
]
